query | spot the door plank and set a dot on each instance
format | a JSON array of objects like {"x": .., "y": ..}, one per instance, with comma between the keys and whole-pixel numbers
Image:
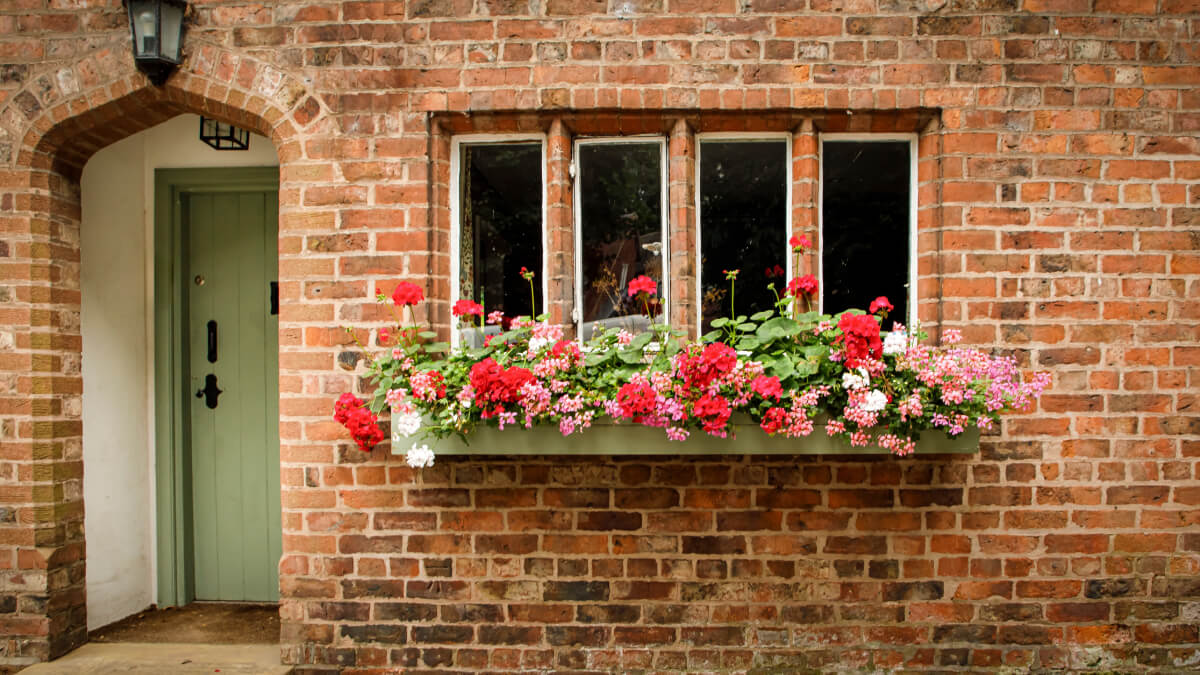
[
  {"x": 203, "y": 468},
  {"x": 251, "y": 411}
]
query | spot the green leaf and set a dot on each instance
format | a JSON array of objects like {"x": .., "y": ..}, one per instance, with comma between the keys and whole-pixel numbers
[
  {"x": 809, "y": 317},
  {"x": 427, "y": 334},
  {"x": 763, "y": 315},
  {"x": 711, "y": 336},
  {"x": 747, "y": 326},
  {"x": 597, "y": 358},
  {"x": 781, "y": 367},
  {"x": 719, "y": 322},
  {"x": 815, "y": 352},
  {"x": 625, "y": 373},
  {"x": 806, "y": 368},
  {"x": 749, "y": 343},
  {"x": 641, "y": 341},
  {"x": 630, "y": 355},
  {"x": 779, "y": 327},
  {"x": 437, "y": 347}
]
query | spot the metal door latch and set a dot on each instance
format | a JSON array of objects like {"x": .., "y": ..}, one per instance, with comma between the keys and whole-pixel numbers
[{"x": 210, "y": 392}]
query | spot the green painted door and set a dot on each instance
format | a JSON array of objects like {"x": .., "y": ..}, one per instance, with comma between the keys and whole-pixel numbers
[{"x": 233, "y": 371}]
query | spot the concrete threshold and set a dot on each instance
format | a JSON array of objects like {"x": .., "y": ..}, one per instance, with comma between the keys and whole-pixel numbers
[{"x": 160, "y": 659}]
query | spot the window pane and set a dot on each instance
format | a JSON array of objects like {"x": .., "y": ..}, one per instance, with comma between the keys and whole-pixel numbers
[
  {"x": 865, "y": 225},
  {"x": 501, "y": 220},
  {"x": 620, "y": 192},
  {"x": 743, "y": 224}
]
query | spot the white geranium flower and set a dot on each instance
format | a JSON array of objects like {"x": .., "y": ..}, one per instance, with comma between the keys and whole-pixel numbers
[
  {"x": 875, "y": 401},
  {"x": 407, "y": 424},
  {"x": 896, "y": 342},
  {"x": 537, "y": 344},
  {"x": 419, "y": 456},
  {"x": 856, "y": 379}
]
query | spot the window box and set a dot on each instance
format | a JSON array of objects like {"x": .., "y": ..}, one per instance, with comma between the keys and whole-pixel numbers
[{"x": 606, "y": 438}]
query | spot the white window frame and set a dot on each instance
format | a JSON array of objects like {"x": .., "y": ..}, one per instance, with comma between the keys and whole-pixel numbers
[
  {"x": 456, "y": 146},
  {"x": 664, "y": 289},
  {"x": 911, "y": 138},
  {"x": 743, "y": 136}
]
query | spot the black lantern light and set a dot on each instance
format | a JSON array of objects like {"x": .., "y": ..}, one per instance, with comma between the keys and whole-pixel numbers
[
  {"x": 157, "y": 28},
  {"x": 222, "y": 136}
]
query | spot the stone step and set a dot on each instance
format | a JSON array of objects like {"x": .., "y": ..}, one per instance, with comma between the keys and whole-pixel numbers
[{"x": 135, "y": 658}]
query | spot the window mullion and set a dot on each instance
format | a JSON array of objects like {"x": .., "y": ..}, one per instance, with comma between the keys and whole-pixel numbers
[
  {"x": 560, "y": 232},
  {"x": 682, "y": 267}
]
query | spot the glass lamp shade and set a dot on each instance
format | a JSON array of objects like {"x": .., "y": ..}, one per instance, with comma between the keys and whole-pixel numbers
[{"x": 157, "y": 30}]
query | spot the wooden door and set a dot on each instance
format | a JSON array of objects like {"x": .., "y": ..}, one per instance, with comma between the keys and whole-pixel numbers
[{"x": 233, "y": 371}]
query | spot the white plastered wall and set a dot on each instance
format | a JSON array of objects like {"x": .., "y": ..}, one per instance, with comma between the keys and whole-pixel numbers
[{"x": 116, "y": 275}]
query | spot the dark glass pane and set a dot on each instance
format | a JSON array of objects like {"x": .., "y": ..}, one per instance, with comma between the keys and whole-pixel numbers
[
  {"x": 501, "y": 225},
  {"x": 865, "y": 224},
  {"x": 743, "y": 224},
  {"x": 620, "y": 192}
]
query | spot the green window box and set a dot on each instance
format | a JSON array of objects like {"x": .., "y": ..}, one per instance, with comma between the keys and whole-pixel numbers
[{"x": 606, "y": 438}]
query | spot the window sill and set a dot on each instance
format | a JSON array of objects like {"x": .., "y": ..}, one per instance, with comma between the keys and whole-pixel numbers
[{"x": 606, "y": 438}]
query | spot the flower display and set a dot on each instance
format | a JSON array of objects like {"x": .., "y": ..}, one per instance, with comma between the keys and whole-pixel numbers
[{"x": 787, "y": 371}]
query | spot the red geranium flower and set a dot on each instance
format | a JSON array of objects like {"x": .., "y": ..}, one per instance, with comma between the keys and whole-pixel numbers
[
  {"x": 636, "y": 400},
  {"x": 642, "y": 284},
  {"x": 699, "y": 370},
  {"x": 358, "y": 420},
  {"x": 713, "y": 411},
  {"x": 496, "y": 386},
  {"x": 407, "y": 294},
  {"x": 767, "y": 386},
  {"x": 566, "y": 348},
  {"x": 467, "y": 308},
  {"x": 881, "y": 305},
  {"x": 859, "y": 338},
  {"x": 800, "y": 243},
  {"x": 773, "y": 420},
  {"x": 806, "y": 284}
]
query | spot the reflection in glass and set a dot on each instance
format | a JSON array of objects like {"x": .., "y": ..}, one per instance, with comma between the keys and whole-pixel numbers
[
  {"x": 743, "y": 224},
  {"x": 865, "y": 225},
  {"x": 501, "y": 206},
  {"x": 621, "y": 193}
]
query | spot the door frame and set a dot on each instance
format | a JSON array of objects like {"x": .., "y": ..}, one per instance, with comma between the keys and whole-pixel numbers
[{"x": 172, "y": 457}]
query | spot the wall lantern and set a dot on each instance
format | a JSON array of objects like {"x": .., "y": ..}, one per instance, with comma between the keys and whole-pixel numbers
[
  {"x": 157, "y": 29},
  {"x": 222, "y": 136}
]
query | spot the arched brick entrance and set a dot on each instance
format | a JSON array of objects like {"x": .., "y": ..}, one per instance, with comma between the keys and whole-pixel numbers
[{"x": 48, "y": 131}]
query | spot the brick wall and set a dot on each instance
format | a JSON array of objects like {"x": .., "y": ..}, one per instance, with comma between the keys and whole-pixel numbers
[{"x": 1060, "y": 183}]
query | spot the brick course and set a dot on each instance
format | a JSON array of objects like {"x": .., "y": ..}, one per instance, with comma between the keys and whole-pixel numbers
[{"x": 1059, "y": 206}]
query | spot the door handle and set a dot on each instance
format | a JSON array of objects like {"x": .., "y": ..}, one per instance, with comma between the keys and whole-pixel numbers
[
  {"x": 212, "y": 341},
  {"x": 210, "y": 392}
]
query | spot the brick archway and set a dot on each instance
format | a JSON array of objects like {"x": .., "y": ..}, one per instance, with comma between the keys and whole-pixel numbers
[{"x": 48, "y": 131}]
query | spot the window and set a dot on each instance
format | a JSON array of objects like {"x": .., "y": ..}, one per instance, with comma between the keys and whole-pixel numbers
[
  {"x": 620, "y": 202},
  {"x": 589, "y": 209},
  {"x": 498, "y": 196},
  {"x": 742, "y": 202},
  {"x": 868, "y": 210}
]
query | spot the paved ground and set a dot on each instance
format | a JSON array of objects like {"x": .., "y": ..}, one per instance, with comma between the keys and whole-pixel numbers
[
  {"x": 130, "y": 658},
  {"x": 213, "y": 623}
]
